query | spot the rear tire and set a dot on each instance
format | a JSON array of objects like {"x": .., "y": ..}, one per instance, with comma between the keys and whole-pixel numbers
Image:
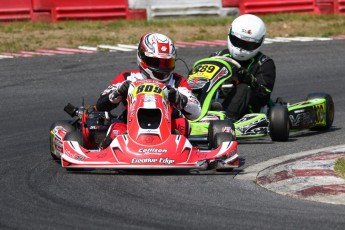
[
  {"x": 217, "y": 127},
  {"x": 279, "y": 123},
  {"x": 329, "y": 110}
]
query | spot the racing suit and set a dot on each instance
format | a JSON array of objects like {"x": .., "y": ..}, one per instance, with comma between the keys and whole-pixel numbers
[
  {"x": 253, "y": 91},
  {"x": 190, "y": 110}
]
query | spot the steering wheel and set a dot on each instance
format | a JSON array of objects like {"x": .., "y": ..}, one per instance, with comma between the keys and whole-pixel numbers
[{"x": 230, "y": 60}]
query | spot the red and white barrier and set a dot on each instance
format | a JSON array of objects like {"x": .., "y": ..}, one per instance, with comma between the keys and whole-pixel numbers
[{"x": 58, "y": 10}]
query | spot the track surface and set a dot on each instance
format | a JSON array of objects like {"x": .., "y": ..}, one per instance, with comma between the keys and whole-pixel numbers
[{"x": 36, "y": 193}]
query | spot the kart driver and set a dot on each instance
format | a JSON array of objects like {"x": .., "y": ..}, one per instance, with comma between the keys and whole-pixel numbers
[
  {"x": 156, "y": 57},
  {"x": 255, "y": 79}
]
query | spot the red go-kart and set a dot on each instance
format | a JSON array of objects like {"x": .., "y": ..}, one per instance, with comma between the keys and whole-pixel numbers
[{"x": 149, "y": 143}]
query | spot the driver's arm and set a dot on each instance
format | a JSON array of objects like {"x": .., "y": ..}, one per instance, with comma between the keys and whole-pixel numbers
[
  {"x": 107, "y": 101},
  {"x": 265, "y": 76}
]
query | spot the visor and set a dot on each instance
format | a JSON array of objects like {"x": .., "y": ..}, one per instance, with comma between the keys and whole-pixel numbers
[
  {"x": 243, "y": 44},
  {"x": 159, "y": 64}
]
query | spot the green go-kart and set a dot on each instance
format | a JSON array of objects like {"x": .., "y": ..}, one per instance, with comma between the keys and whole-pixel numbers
[{"x": 210, "y": 76}]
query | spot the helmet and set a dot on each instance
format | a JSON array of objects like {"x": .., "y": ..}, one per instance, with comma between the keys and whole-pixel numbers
[
  {"x": 156, "y": 56},
  {"x": 246, "y": 35}
]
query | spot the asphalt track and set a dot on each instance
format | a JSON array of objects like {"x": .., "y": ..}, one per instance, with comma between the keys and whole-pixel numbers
[{"x": 36, "y": 193}]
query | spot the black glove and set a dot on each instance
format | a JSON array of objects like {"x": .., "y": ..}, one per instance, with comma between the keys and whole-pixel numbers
[
  {"x": 123, "y": 89},
  {"x": 177, "y": 99},
  {"x": 245, "y": 77}
]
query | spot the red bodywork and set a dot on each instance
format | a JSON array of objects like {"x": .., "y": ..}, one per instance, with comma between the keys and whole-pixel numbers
[{"x": 148, "y": 143}]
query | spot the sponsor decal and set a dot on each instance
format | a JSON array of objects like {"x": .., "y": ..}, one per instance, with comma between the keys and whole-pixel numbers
[
  {"x": 247, "y": 31},
  {"x": 162, "y": 160},
  {"x": 152, "y": 150},
  {"x": 74, "y": 156},
  {"x": 301, "y": 120},
  {"x": 231, "y": 153},
  {"x": 57, "y": 141},
  {"x": 228, "y": 130},
  {"x": 299, "y": 111},
  {"x": 166, "y": 161},
  {"x": 257, "y": 127},
  {"x": 144, "y": 160},
  {"x": 320, "y": 114},
  {"x": 149, "y": 98},
  {"x": 197, "y": 83},
  {"x": 223, "y": 72}
]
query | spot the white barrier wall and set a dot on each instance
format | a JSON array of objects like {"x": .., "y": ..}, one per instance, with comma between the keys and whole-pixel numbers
[{"x": 164, "y": 8}]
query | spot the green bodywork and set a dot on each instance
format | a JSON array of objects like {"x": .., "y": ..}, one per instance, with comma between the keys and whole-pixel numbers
[
  {"x": 316, "y": 106},
  {"x": 305, "y": 114},
  {"x": 205, "y": 103}
]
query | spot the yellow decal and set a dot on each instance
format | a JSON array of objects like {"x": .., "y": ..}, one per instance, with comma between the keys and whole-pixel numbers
[
  {"x": 320, "y": 114},
  {"x": 148, "y": 89},
  {"x": 205, "y": 70}
]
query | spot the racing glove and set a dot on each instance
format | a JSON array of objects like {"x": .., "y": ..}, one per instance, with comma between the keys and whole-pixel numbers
[
  {"x": 177, "y": 99},
  {"x": 245, "y": 77},
  {"x": 120, "y": 92}
]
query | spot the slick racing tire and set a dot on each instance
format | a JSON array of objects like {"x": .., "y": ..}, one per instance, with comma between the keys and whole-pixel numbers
[
  {"x": 278, "y": 117},
  {"x": 329, "y": 110},
  {"x": 78, "y": 137},
  {"x": 75, "y": 136},
  {"x": 219, "y": 138},
  {"x": 215, "y": 127},
  {"x": 67, "y": 126}
]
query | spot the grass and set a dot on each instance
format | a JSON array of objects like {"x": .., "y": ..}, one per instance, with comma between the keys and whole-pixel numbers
[
  {"x": 340, "y": 167},
  {"x": 16, "y": 36}
]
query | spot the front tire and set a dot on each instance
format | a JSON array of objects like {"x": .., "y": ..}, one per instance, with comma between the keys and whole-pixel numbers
[
  {"x": 219, "y": 138},
  {"x": 217, "y": 127},
  {"x": 75, "y": 136},
  {"x": 279, "y": 127}
]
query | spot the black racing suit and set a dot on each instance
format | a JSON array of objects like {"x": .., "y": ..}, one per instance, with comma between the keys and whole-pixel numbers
[{"x": 246, "y": 98}]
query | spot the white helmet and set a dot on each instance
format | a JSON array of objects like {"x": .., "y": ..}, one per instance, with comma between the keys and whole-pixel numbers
[
  {"x": 156, "y": 56},
  {"x": 246, "y": 35}
]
